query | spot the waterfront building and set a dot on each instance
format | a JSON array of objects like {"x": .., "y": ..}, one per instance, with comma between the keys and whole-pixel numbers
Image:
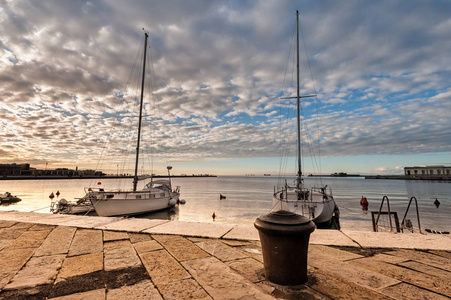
[{"x": 435, "y": 172}]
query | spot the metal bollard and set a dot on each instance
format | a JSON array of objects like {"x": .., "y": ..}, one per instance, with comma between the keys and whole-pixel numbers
[{"x": 285, "y": 237}]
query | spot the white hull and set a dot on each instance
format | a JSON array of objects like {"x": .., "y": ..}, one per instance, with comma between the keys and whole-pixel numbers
[
  {"x": 118, "y": 203},
  {"x": 318, "y": 207}
]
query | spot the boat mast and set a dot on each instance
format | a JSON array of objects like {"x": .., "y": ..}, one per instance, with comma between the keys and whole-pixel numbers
[
  {"x": 135, "y": 179},
  {"x": 298, "y": 180}
]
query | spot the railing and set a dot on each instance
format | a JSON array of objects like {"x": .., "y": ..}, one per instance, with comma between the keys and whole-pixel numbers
[{"x": 405, "y": 224}]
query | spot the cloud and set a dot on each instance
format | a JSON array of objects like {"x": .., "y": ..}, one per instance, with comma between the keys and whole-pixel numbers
[{"x": 381, "y": 72}]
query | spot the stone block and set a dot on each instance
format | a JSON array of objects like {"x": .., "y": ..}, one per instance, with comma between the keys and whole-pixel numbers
[
  {"x": 57, "y": 242},
  {"x": 147, "y": 246},
  {"x": 143, "y": 290},
  {"x": 196, "y": 229},
  {"x": 133, "y": 224},
  {"x": 120, "y": 258},
  {"x": 86, "y": 241},
  {"x": 180, "y": 247},
  {"x": 163, "y": 268},
  {"x": 114, "y": 235},
  {"x": 221, "y": 282},
  {"x": 37, "y": 271},
  {"x": 184, "y": 289},
  {"x": 80, "y": 265},
  {"x": 249, "y": 268},
  {"x": 220, "y": 250},
  {"x": 139, "y": 237},
  {"x": 91, "y": 295},
  {"x": 243, "y": 232}
]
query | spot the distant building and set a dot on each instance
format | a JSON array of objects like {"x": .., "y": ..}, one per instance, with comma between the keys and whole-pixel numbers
[
  {"x": 25, "y": 170},
  {"x": 428, "y": 172}
]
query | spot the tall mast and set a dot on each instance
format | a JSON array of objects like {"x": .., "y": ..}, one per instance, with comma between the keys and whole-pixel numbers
[
  {"x": 135, "y": 179},
  {"x": 298, "y": 181}
]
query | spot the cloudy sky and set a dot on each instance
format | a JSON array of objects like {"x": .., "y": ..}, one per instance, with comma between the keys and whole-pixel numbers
[{"x": 381, "y": 70}]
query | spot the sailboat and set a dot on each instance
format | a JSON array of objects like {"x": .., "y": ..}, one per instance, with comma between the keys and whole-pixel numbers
[
  {"x": 155, "y": 196},
  {"x": 315, "y": 203}
]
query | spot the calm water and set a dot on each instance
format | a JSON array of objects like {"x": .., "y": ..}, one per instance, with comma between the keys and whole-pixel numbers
[{"x": 249, "y": 197}]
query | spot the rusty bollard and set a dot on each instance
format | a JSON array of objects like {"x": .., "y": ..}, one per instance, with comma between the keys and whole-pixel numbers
[{"x": 285, "y": 237}]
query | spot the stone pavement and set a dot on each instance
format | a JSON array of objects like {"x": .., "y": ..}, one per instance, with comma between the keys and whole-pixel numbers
[{"x": 45, "y": 256}]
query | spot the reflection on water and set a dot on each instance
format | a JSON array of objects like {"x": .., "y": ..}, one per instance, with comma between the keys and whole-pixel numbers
[{"x": 249, "y": 197}]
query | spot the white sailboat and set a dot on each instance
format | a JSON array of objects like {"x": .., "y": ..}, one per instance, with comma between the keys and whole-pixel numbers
[
  {"x": 155, "y": 196},
  {"x": 315, "y": 203}
]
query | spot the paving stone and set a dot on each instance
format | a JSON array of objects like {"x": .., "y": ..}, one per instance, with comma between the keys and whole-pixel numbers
[
  {"x": 37, "y": 271},
  {"x": 406, "y": 291},
  {"x": 337, "y": 287},
  {"x": 426, "y": 269},
  {"x": 183, "y": 289},
  {"x": 198, "y": 229},
  {"x": 29, "y": 239},
  {"x": 162, "y": 267},
  {"x": 117, "y": 244},
  {"x": 114, "y": 235},
  {"x": 5, "y": 224},
  {"x": 86, "y": 241},
  {"x": 142, "y": 290},
  {"x": 221, "y": 250},
  {"x": 249, "y": 268},
  {"x": 446, "y": 254},
  {"x": 121, "y": 258},
  {"x": 80, "y": 265},
  {"x": 57, "y": 242},
  {"x": 243, "y": 232},
  {"x": 91, "y": 295},
  {"x": 133, "y": 224},
  {"x": 147, "y": 246},
  {"x": 42, "y": 227},
  {"x": 350, "y": 271},
  {"x": 334, "y": 253},
  {"x": 139, "y": 237},
  {"x": 235, "y": 243},
  {"x": 331, "y": 237},
  {"x": 180, "y": 247},
  {"x": 425, "y": 258},
  {"x": 21, "y": 225},
  {"x": 368, "y": 239},
  {"x": 11, "y": 233},
  {"x": 4, "y": 243},
  {"x": 221, "y": 282},
  {"x": 433, "y": 283},
  {"x": 392, "y": 259},
  {"x": 253, "y": 251}
]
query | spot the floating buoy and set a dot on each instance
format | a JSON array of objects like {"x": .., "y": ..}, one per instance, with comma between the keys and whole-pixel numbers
[
  {"x": 437, "y": 203},
  {"x": 51, "y": 196},
  {"x": 58, "y": 193},
  {"x": 182, "y": 201},
  {"x": 364, "y": 203},
  {"x": 99, "y": 183},
  {"x": 221, "y": 196},
  {"x": 213, "y": 216}
]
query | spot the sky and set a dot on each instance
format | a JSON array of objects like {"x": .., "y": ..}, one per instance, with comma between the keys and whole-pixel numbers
[{"x": 381, "y": 71}]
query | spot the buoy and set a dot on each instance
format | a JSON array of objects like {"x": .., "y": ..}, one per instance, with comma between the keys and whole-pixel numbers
[
  {"x": 58, "y": 193},
  {"x": 213, "y": 216},
  {"x": 364, "y": 203},
  {"x": 51, "y": 196},
  {"x": 99, "y": 183},
  {"x": 221, "y": 196},
  {"x": 437, "y": 203},
  {"x": 182, "y": 201}
]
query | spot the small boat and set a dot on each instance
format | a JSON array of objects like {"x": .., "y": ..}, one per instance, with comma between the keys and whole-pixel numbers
[
  {"x": 315, "y": 203},
  {"x": 8, "y": 198},
  {"x": 155, "y": 196},
  {"x": 62, "y": 206}
]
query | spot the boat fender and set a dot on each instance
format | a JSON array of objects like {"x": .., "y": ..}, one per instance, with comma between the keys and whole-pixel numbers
[
  {"x": 172, "y": 202},
  {"x": 182, "y": 201}
]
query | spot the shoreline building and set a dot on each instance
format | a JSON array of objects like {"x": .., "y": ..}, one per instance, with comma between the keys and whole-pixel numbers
[
  {"x": 25, "y": 170},
  {"x": 432, "y": 172}
]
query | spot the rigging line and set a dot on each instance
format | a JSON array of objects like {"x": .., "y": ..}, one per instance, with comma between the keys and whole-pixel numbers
[
  {"x": 283, "y": 150},
  {"x": 316, "y": 92}
]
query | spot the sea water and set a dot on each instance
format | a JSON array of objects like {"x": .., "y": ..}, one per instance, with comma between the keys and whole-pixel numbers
[{"x": 248, "y": 197}]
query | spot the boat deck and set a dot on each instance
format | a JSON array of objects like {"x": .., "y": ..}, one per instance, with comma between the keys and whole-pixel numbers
[{"x": 71, "y": 257}]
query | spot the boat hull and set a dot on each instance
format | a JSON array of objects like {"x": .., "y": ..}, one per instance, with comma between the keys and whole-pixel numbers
[
  {"x": 318, "y": 208},
  {"x": 131, "y": 203}
]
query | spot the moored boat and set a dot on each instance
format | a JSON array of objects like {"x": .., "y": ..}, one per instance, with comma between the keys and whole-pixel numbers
[
  {"x": 8, "y": 198},
  {"x": 316, "y": 203},
  {"x": 155, "y": 196}
]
